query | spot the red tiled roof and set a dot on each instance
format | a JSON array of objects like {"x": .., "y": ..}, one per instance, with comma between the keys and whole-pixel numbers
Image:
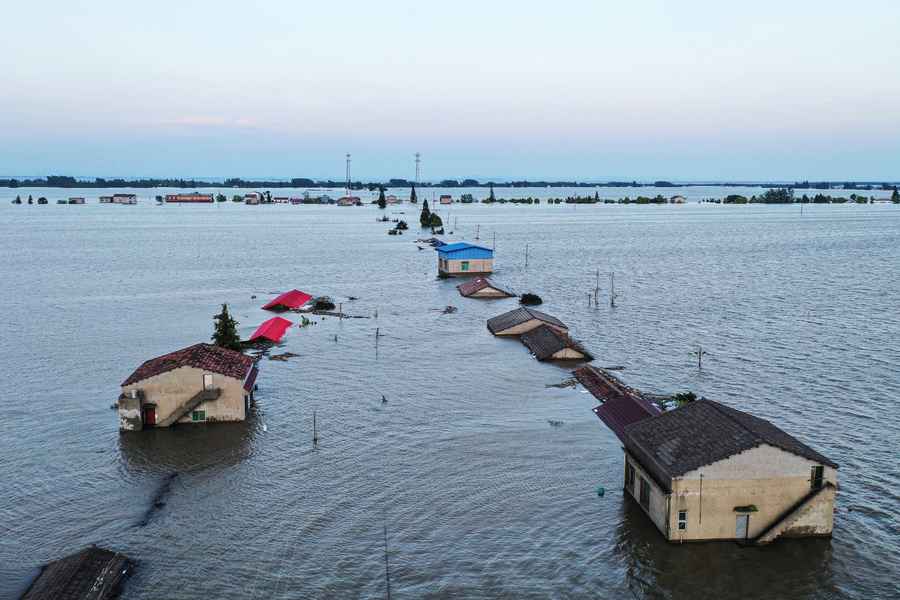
[
  {"x": 288, "y": 300},
  {"x": 200, "y": 356},
  {"x": 272, "y": 330},
  {"x": 621, "y": 406},
  {"x": 476, "y": 285}
]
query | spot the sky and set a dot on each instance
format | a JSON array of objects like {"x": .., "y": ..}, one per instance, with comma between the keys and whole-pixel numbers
[{"x": 587, "y": 90}]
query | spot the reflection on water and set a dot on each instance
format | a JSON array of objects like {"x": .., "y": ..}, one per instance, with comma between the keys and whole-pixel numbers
[{"x": 481, "y": 496}]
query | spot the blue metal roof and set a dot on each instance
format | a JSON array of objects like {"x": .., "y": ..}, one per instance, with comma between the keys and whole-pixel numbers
[{"x": 464, "y": 250}]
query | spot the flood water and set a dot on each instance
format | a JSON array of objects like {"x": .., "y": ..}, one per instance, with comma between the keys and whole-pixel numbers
[{"x": 481, "y": 496}]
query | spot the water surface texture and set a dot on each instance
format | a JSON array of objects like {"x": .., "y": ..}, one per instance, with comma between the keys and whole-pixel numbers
[{"x": 482, "y": 498}]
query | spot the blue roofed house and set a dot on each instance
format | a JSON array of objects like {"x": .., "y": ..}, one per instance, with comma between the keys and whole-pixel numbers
[{"x": 463, "y": 258}]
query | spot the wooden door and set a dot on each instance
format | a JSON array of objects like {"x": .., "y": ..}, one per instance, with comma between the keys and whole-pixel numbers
[
  {"x": 149, "y": 416},
  {"x": 741, "y": 527},
  {"x": 207, "y": 381}
]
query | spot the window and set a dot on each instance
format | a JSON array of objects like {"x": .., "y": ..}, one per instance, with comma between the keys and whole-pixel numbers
[
  {"x": 198, "y": 415},
  {"x": 645, "y": 494},
  {"x": 629, "y": 477},
  {"x": 817, "y": 478},
  {"x": 682, "y": 520},
  {"x": 465, "y": 265}
]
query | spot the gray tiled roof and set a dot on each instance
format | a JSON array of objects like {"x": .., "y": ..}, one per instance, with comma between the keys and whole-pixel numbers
[
  {"x": 545, "y": 341},
  {"x": 701, "y": 433},
  {"x": 519, "y": 316}
]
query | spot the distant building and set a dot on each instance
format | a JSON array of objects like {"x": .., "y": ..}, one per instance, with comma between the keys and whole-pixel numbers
[
  {"x": 281, "y": 200},
  {"x": 446, "y": 199},
  {"x": 677, "y": 200},
  {"x": 106, "y": 199},
  {"x": 251, "y": 198},
  {"x": 194, "y": 198},
  {"x": 706, "y": 471},
  {"x": 392, "y": 199},
  {"x": 76, "y": 200},
  {"x": 124, "y": 198},
  {"x": 549, "y": 343},
  {"x": 522, "y": 320},
  {"x": 463, "y": 258},
  {"x": 482, "y": 287},
  {"x": 349, "y": 201},
  {"x": 201, "y": 383}
]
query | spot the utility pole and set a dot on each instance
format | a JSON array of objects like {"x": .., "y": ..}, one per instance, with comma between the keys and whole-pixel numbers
[
  {"x": 596, "y": 292},
  {"x": 387, "y": 567},
  {"x": 700, "y": 353},
  {"x": 526, "y": 256},
  {"x": 477, "y": 229},
  {"x": 348, "y": 174},
  {"x": 494, "y": 244},
  {"x": 418, "y": 160}
]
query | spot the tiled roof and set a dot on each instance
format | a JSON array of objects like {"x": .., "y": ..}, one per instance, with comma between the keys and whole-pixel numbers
[
  {"x": 519, "y": 316},
  {"x": 476, "y": 285},
  {"x": 701, "y": 433},
  {"x": 545, "y": 341},
  {"x": 200, "y": 356},
  {"x": 622, "y": 405}
]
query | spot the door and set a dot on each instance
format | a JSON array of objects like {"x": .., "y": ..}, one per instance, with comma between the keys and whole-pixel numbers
[
  {"x": 742, "y": 525},
  {"x": 149, "y": 416},
  {"x": 207, "y": 381}
]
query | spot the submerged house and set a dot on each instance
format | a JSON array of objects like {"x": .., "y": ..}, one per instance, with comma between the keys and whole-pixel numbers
[
  {"x": 463, "y": 258},
  {"x": 522, "y": 320},
  {"x": 291, "y": 300},
  {"x": 349, "y": 201},
  {"x": 482, "y": 287},
  {"x": 548, "y": 343},
  {"x": 446, "y": 199},
  {"x": 93, "y": 573},
  {"x": 271, "y": 330},
  {"x": 200, "y": 383},
  {"x": 706, "y": 471}
]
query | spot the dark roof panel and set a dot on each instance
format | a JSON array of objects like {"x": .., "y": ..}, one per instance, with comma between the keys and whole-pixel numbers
[
  {"x": 621, "y": 406},
  {"x": 479, "y": 283},
  {"x": 701, "y": 433},
  {"x": 544, "y": 342},
  {"x": 519, "y": 316}
]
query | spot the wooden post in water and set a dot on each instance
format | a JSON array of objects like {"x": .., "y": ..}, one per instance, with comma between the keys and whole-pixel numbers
[
  {"x": 494, "y": 245},
  {"x": 612, "y": 290},
  {"x": 597, "y": 291},
  {"x": 340, "y": 311},
  {"x": 387, "y": 567},
  {"x": 477, "y": 229},
  {"x": 315, "y": 432},
  {"x": 526, "y": 256}
]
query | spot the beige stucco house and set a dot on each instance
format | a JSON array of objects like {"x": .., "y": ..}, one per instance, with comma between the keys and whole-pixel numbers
[
  {"x": 198, "y": 384},
  {"x": 706, "y": 471}
]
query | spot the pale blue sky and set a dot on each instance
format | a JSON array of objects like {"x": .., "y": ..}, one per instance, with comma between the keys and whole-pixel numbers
[{"x": 566, "y": 89}]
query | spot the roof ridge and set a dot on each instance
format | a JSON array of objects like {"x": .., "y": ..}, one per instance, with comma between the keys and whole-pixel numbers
[{"x": 719, "y": 406}]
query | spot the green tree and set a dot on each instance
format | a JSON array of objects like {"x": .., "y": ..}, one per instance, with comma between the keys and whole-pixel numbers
[
  {"x": 381, "y": 201},
  {"x": 435, "y": 221},
  {"x": 221, "y": 198},
  {"x": 895, "y": 196},
  {"x": 225, "y": 330},
  {"x": 412, "y": 195},
  {"x": 237, "y": 198},
  {"x": 425, "y": 216},
  {"x": 491, "y": 197}
]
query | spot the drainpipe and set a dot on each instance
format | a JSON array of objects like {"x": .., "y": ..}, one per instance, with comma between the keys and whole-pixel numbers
[
  {"x": 669, "y": 516},
  {"x": 700, "y": 520}
]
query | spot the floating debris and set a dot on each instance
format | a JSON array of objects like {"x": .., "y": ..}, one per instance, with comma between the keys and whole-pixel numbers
[
  {"x": 283, "y": 357},
  {"x": 555, "y": 423},
  {"x": 529, "y": 299},
  {"x": 566, "y": 383}
]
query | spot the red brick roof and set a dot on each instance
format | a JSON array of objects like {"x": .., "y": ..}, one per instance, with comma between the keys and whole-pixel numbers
[{"x": 200, "y": 356}]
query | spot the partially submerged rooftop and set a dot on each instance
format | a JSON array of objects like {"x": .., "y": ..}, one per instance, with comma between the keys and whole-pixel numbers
[
  {"x": 272, "y": 330},
  {"x": 621, "y": 405},
  {"x": 520, "y": 316},
  {"x": 479, "y": 284},
  {"x": 288, "y": 301},
  {"x": 92, "y": 574},
  {"x": 703, "y": 432},
  {"x": 547, "y": 343},
  {"x": 200, "y": 356}
]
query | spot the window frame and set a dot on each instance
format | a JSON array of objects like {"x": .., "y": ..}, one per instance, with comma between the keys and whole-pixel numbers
[
  {"x": 629, "y": 476},
  {"x": 682, "y": 520},
  {"x": 644, "y": 498},
  {"x": 464, "y": 265},
  {"x": 198, "y": 416},
  {"x": 817, "y": 477}
]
